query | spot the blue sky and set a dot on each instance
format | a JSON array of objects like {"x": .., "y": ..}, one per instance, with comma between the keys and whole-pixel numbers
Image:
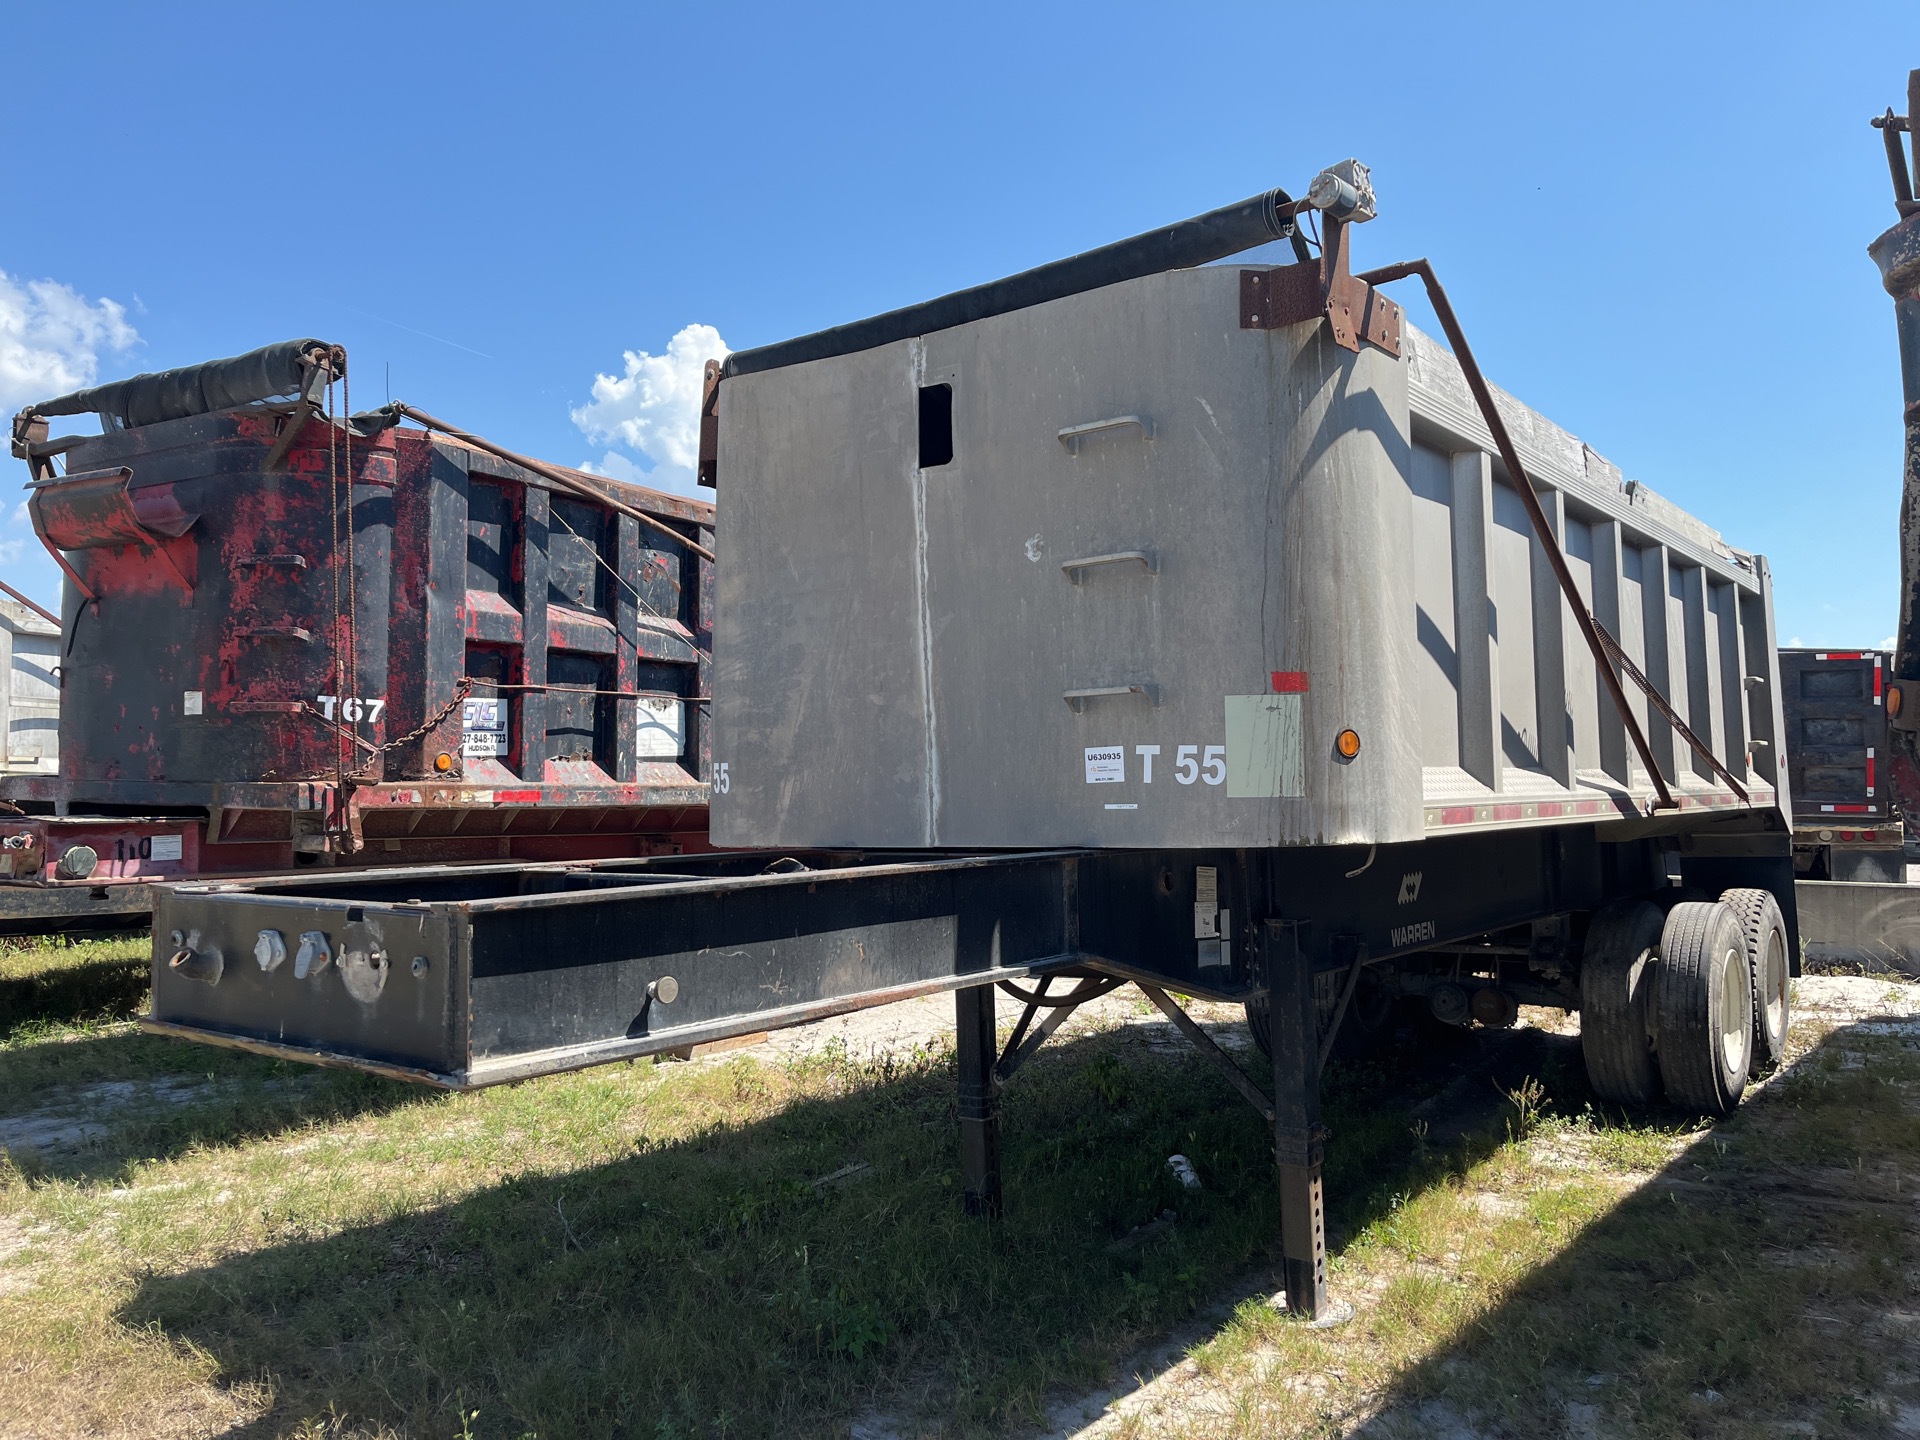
[{"x": 1652, "y": 219}]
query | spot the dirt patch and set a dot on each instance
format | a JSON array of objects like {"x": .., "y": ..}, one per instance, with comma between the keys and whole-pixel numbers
[{"x": 90, "y": 1112}]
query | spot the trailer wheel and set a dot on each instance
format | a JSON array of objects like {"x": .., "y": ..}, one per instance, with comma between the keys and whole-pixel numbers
[
  {"x": 1703, "y": 1008},
  {"x": 1618, "y": 969},
  {"x": 1368, "y": 1021},
  {"x": 1766, "y": 936}
]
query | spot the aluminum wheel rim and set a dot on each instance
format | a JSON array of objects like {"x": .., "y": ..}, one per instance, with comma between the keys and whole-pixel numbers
[
  {"x": 1774, "y": 977},
  {"x": 1736, "y": 1019}
]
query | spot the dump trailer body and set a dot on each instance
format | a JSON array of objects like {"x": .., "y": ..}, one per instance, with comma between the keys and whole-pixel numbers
[
  {"x": 451, "y": 659},
  {"x": 30, "y": 696},
  {"x": 1209, "y": 620},
  {"x": 1118, "y": 570},
  {"x": 1845, "y": 823}
]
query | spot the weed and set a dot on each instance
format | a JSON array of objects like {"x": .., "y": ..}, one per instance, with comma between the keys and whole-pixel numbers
[{"x": 1527, "y": 1099}]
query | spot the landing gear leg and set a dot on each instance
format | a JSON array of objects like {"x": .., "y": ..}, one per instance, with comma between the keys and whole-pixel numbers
[
  {"x": 1297, "y": 1134},
  {"x": 977, "y": 1049}
]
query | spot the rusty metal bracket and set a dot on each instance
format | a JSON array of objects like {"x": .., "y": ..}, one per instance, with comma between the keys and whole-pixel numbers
[
  {"x": 1324, "y": 290},
  {"x": 708, "y": 470},
  {"x": 324, "y": 364}
]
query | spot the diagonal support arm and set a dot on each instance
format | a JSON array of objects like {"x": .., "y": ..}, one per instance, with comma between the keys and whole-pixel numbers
[{"x": 1609, "y": 659}]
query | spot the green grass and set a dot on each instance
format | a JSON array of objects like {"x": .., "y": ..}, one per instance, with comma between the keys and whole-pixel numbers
[
  {"x": 239, "y": 1246},
  {"x": 58, "y": 982}
]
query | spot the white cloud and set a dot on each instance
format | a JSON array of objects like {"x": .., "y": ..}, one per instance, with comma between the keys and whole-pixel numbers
[
  {"x": 12, "y": 552},
  {"x": 653, "y": 410},
  {"x": 1892, "y": 642},
  {"x": 51, "y": 338},
  {"x": 616, "y": 466}
]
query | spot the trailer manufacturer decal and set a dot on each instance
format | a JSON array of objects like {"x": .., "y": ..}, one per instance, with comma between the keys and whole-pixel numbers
[
  {"x": 1417, "y": 933},
  {"x": 1410, "y": 886},
  {"x": 1106, "y": 764}
]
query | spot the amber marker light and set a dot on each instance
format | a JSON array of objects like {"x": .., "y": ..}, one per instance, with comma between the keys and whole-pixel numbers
[
  {"x": 443, "y": 762},
  {"x": 1347, "y": 743},
  {"x": 1895, "y": 699}
]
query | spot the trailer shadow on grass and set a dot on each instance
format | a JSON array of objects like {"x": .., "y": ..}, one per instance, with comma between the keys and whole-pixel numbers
[
  {"x": 1761, "y": 1282},
  {"x": 62, "y": 982},
  {"x": 787, "y": 1274}
]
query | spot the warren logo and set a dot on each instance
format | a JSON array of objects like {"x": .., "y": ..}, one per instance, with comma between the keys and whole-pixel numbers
[
  {"x": 1410, "y": 887},
  {"x": 1414, "y": 934}
]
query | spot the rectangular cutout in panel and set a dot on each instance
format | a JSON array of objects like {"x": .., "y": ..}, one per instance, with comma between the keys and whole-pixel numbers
[{"x": 936, "y": 426}]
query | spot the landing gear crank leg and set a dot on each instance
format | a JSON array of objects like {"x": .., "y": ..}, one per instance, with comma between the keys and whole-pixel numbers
[
  {"x": 978, "y": 1048},
  {"x": 1297, "y": 1134}
]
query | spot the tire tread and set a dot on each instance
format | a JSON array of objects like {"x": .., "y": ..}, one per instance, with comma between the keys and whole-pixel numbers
[
  {"x": 1683, "y": 1007},
  {"x": 1614, "y": 1020},
  {"x": 1759, "y": 914}
]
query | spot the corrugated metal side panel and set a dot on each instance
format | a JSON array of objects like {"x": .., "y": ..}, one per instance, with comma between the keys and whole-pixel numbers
[
  {"x": 30, "y": 695},
  {"x": 1515, "y": 725}
]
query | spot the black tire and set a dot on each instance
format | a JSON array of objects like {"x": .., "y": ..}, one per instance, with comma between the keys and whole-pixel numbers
[
  {"x": 1766, "y": 936},
  {"x": 1618, "y": 970},
  {"x": 1260, "y": 1024},
  {"x": 1703, "y": 1008},
  {"x": 1368, "y": 1022}
]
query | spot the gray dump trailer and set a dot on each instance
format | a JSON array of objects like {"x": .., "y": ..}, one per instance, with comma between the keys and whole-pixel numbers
[{"x": 1145, "y": 620}]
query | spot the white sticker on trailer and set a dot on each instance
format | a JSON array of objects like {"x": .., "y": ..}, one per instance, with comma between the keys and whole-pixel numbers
[
  {"x": 661, "y": 732},
  {"x": 165, "y": 847},
  {"x": 483, "y": 729},
  {"x": 190, "y": 702},
  {"x": 1265, "y": 758},
  {"x": 1106, "y": 764}
]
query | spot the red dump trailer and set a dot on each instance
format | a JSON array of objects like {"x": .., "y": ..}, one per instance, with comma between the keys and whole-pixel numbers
[{"x": 289, "y": 640}]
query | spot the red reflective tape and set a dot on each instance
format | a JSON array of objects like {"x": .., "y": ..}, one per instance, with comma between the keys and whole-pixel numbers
[
  {"x": 1289, "y": 682},
  {"x": 1457, "y": 815},
  {"x": 1551, "y": 807},
  {"x": 1869, "y": 771},
  {"x": 1846, "y": 809},
  {"x": 516, "y": 797},
  {"x": 1842, "y": 655},
  {"x": 1509, "y": 812}
]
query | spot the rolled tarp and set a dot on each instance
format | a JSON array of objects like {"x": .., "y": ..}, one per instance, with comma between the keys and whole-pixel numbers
[{"x": 273, "y": 372}]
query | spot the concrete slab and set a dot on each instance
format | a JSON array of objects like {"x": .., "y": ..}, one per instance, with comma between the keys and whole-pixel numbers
[{"x": 1873, "y": 927}]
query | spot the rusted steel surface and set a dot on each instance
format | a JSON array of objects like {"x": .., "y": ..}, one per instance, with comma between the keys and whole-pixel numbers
[
  {"x": 1897, "y": 254},
  {"x": 396, "y": 646}
]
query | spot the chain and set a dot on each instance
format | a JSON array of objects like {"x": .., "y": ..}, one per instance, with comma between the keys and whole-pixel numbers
[
  {"x": 462, "y": 688},
  {"x": 353, "y": 565}
]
